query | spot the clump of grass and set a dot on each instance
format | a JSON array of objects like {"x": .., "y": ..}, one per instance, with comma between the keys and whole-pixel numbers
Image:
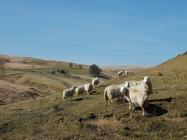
[{"x": 106, "y": 123}]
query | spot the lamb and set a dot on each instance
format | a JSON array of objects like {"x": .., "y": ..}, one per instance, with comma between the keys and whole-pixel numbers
[
  {"x": 88, "y": 88},
  {"x": 80, "y": 90},
  {"x": 138, "y": 94},
  {"x": 68, "y": 93},
  {"x": 95, "y": 81}
]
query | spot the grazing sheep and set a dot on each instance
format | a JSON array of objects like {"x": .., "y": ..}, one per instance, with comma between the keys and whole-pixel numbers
[
  {"x": 80, "y": 90},
  {"x": 120, "y": 73},
  {"x": 138, "y": 94},
  {"x": 95, "y": 81},
  {"x": 88, "y": 88},
  {"x": 126, "y": 72},
  {"x": 115, "y": 91},
  {"x": 68, "y": 93}
]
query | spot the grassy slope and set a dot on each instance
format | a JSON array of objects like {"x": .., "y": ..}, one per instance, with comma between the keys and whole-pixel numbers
[
  {"x": 50, "y": 118},
  {"x": 36, "y": 73}
]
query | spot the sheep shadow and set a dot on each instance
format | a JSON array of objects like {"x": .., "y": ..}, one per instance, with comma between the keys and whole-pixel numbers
[
  {"x": 169, "y": 99},
  {"x": 156, "y": 110},
  {"x": 94, "y": 93},
  {"x": 77, "y": 99}
]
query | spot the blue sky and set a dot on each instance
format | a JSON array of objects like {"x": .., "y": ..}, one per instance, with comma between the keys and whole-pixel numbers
[{"x": 103, "y": 32}]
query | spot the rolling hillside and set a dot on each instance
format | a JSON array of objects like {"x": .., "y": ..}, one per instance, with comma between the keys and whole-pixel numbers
[
  {"x": 87, "y": 117},
  {"x": 21, "y": 74}
]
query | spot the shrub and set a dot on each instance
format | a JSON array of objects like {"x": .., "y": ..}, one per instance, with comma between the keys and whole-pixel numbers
[
  {"x": 160, "y": 74},
  {"x": 94, "y": 70},
  {"x": 80, "y": 66},
  {"x": 70, "y": 65}
]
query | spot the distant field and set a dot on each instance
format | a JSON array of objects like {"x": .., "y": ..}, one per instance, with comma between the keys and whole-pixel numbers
[
  {"x": 48, "y": 117},
  {"x": 38, "y": 74},
  {"x": 21, "y": 66}
]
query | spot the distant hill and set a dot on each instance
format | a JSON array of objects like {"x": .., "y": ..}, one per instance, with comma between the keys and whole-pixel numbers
[
  {"x": 176, "y": 63},
  {"x": 19, "y": 74},
  {"x": 15, "y": 62}
]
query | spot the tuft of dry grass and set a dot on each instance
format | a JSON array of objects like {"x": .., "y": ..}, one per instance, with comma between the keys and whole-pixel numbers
[{"x": 106, "y": 123}]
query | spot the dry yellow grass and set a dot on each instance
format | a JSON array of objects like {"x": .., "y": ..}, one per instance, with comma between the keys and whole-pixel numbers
[
  {"x": 51, "y": 118},
  {"x": 106, "y": 123}
]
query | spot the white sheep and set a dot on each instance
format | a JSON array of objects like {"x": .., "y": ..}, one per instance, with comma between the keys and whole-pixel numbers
[
  {"x": 138, "y": 94},
  {"x": 80, "y": 90},
  {"x": 115, "y": 91},
  {"x": 88, "y": 88},
  {"x": 126, "y": 72},
  {"x": 68, "y": 93},
  {"x": 95, "y": 81},
  {"x": 120, "y": 73}
]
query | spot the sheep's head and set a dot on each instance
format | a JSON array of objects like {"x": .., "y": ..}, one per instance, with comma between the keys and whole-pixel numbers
[
  {"x": 148, "y": 85},
  {"x": 127, "y": 84},
  {"x": 146, "y": 79}
]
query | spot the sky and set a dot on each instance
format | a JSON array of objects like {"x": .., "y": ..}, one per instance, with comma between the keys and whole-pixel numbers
[{"x": 103, "y": 32}]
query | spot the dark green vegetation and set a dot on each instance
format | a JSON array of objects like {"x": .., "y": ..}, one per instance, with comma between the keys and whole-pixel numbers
[{"x": 87, "y": 117}]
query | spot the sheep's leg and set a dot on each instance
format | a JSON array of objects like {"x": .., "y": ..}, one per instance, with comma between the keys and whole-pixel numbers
[
  {"x": 144, "y": 108},
  {"x": 111, "y": 101},
  {"x": 64, "y": 100},
  {"x": 131, "y": 106},
  {"x": 130, "y": 103},
  {"x": 145, "y": 105},
  {"x": 144, "y": 112},
  {"x": 106, "y": 103}
]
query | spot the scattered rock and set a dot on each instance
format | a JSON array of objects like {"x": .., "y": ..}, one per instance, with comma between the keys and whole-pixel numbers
[
  {"x": 80, "y": 119},
  {"x": 91, "y": 116},
  {"x": 81, "y": 122},
  {"x": 126, "y": 128}
]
